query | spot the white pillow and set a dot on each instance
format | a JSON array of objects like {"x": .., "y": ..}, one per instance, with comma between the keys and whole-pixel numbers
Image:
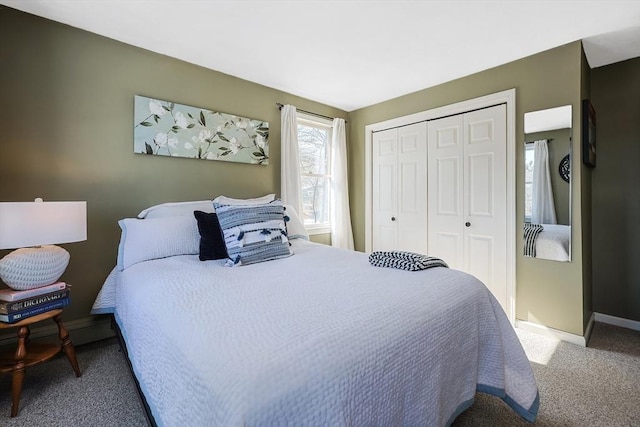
[
  {"x": 176, "y": 208},
  {"x": 228, "y": 201},
  {"x": 152, "y": 238},
  {"x": 295, "y": 227}
]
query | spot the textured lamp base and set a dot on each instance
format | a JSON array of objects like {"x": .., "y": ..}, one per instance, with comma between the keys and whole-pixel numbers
[{"x": 29, "y": 268}]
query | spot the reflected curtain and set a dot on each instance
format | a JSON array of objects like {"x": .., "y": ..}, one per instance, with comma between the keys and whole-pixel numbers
[
  {"x": 543, "y": 208},
  {"x": 290, "y": 184},
  {"x": 341, "y": 233}
]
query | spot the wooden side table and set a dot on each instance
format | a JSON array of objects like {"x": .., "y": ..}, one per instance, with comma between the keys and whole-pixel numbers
[{"x": 34, "y": 353}]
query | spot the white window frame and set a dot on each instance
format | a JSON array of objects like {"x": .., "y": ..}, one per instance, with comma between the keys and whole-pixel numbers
[
  {"x": 527, "y": 148},
  {"x": 318, "y": 122}
]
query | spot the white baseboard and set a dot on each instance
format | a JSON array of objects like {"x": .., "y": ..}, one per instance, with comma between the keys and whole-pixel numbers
[
  {"x": 577, "y": 339},
  {"x": 81, "y": 331},
  {"x": 555, "y": 333},
  {"x": 618, "y": 321}
]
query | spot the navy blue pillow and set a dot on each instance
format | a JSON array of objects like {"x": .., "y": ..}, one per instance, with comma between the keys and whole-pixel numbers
[{"x": 211, "y": 239}]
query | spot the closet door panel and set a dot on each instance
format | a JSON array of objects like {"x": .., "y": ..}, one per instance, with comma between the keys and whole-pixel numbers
[
  {"x": 481, "y": 263},
  {"x": 485, "y": 213},
  {"x": 449, "y": 186},
  {"x": 412, "y": 202},
  {"x": 411, "y": 229},
  {"x": 445, "y": 201},
  {"x": 409, "y": 184},
  {"x": 385, "y": 190},
  {"x": 447, "y": 246},
  {"x": 481, "y": 185}
]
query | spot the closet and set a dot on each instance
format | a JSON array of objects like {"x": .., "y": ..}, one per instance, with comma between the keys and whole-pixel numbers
[{"x": 439, "y": 187}]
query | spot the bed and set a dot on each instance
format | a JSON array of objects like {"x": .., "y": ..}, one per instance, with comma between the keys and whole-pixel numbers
[
  {"x": 553, "y": 242},
  {"x": 320, "y": 337}
]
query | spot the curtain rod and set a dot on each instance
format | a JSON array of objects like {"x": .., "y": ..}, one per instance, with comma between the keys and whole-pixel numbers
[
  {"x": 533, "y": 142},
  {"x": 307, "y": 112}
]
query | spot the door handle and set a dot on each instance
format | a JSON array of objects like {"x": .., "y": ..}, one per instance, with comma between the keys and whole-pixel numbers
[
  {"x": 393, "y": 218},
  {"x": 468, "y": 224}
]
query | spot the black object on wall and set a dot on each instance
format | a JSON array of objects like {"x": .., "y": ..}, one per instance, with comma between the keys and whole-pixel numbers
[
  {"x": 564, "y": 168},
  {"x": 588, "y": 134}
]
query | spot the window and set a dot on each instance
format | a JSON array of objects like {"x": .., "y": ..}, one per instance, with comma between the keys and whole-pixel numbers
[
  {"x": 528, "y": 181},
  {"x": 314, "y": 146}
]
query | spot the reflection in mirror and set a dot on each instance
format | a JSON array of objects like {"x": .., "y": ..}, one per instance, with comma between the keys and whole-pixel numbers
[{"x": 547, "y": 160}]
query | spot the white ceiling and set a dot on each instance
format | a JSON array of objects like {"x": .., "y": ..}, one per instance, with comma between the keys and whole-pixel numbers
[{"x": 352, "y": 54}]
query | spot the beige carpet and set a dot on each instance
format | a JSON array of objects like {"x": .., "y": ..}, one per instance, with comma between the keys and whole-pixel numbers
[{"x": 594, "y": 386}]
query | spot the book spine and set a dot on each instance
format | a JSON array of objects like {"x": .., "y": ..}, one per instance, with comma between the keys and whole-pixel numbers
[
  {"x": 20, "y": 295},
  {"x": 13, "y": 307},
  {"x": 16, "y": 317}
]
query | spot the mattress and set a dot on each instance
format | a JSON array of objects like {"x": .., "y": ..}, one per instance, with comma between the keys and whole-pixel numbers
[{"x": 318, "y": 338}]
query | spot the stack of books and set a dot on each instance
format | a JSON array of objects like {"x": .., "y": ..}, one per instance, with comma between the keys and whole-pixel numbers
[{"x": 19, "y": 305}]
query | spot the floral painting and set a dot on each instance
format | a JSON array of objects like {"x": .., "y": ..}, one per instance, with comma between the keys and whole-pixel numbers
[{"x": 165, "y": 128}]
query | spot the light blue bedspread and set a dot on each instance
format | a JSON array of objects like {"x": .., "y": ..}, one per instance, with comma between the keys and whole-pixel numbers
[{"x": 319, "y": 338}]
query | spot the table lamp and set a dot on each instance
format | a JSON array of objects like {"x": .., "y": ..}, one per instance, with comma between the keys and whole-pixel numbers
[{"x": 35, "y": 227}]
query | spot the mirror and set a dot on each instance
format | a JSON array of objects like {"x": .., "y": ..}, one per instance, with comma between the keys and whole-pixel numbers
[{"x": 547, "y": 160}]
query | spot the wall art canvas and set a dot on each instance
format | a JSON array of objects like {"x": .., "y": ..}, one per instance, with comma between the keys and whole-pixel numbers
[{"x": 164, "y": 128}]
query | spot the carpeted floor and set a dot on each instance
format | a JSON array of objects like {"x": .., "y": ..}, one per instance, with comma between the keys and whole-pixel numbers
[
  {"x": 594, "y": 386},
  {"x": 52, "y": 396}
]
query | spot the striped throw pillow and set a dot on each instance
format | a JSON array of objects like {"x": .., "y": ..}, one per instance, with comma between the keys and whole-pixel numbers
[{"x": 253, "y": 233}]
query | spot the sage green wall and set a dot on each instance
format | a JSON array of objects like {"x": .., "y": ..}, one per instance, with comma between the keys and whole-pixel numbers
[
  {"x": 548, "y": 292},
  {"x": 615, "y": 95},
  {"x": 66, "y": 133},
  {"x": 325, "y": 239}
]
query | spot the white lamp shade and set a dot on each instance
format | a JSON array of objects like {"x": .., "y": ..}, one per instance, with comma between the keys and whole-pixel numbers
[{"x": 25, "y": 224}]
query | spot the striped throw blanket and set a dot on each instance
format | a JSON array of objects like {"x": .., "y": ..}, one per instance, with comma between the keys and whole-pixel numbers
[
  {"x": 531, "y": 232},
  {"x": 404, "y": 260}
]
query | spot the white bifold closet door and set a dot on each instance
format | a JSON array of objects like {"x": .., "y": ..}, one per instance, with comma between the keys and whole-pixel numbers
[
  {"x": 467, "y": 195},
  {"x": 400, "y": 189}
]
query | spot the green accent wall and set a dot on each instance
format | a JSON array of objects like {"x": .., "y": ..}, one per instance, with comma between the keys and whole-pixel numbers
[
  {"x": 615, "y": 95},
  {"x": 325, "y": 239},
  {"x": 548, "y": 292},
  {"x": 66, "y": 133}
]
